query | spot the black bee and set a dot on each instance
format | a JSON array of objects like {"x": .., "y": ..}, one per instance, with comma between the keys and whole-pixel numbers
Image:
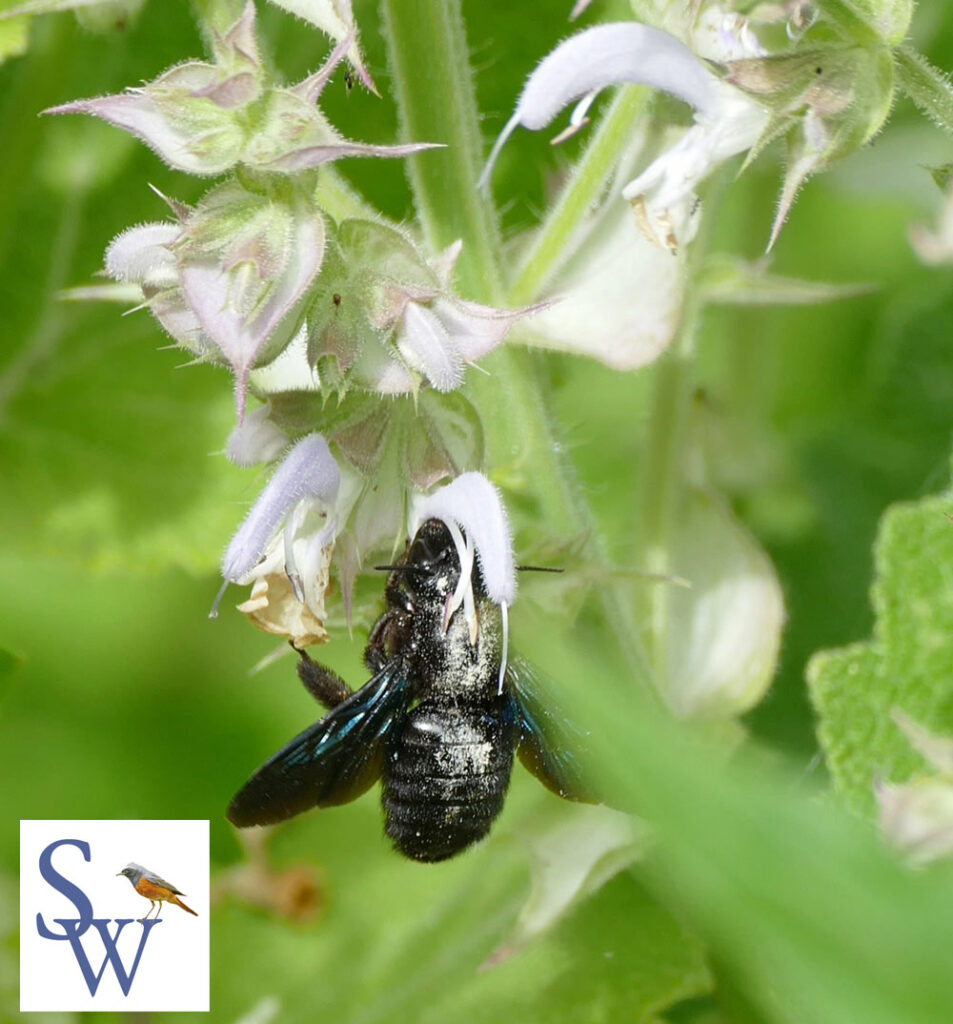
[{"x": 438, "y": 723}]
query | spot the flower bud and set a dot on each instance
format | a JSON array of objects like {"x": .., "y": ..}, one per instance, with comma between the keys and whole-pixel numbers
[
  {"x": 386, "y": 318},
  {"x": 723, "y": 628},
  {"x": 206, "y": 118}
]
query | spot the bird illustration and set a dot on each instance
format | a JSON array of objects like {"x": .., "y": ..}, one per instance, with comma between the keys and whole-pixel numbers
[{"x": 155, "y": 889}]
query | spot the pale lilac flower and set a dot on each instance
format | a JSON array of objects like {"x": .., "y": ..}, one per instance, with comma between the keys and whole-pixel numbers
[
  {"x": 473, "y": 511},
  {"x": 143, "y": 255},
  {"x": 230, "y": 280},
  {"x": 284, "y": 545},
  {"x": 440, "y": 339},
  {"x": 726, "y": 120}
]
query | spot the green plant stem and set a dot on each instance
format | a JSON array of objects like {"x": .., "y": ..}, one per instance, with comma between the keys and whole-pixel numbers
[
  {"x": 926, "y": 85},
  {"x": 435, "y": 94},
  {"x": 586, "y": 184},
  {"x": 217, "y": 15},
  {"x": 663, "y": 470},
  {"x": 428, "y": 55},
  {"x": 661, "y": 480}
]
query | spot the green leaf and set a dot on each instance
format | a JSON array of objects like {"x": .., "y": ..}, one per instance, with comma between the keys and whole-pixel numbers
[
  {"x": 804, "y": 911},
  {"x": 106, "y": 450},
  {"x": 926, "y": 85},
  {"x": 619, "y": 956},
  {"x": 107, "y": 454},
  {"x": 907, "y": 664}
]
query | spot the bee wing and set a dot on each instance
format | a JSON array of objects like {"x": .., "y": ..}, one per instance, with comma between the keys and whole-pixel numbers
[
  {"x": 549, "y": 745},
  {"x": 333, "y": 762}
]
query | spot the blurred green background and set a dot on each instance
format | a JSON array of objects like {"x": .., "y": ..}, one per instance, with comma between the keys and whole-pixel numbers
[{"x": 126, "y": 701}]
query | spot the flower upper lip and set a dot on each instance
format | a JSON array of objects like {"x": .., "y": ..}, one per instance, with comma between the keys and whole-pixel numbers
[
  {"x": 727, "y": 121},
  {"x": 602, "y": 56}
]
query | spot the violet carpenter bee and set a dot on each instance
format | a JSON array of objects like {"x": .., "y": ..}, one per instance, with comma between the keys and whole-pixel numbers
[{"x": 438, "y": 723}]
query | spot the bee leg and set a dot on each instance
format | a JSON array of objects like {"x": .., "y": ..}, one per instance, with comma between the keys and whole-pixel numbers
[{"x": 327, "y": 687}]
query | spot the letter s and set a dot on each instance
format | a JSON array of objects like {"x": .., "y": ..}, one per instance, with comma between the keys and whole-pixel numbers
[{"x": 72, "y": 892}]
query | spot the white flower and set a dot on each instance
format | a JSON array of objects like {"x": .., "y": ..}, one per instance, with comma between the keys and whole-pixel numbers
[
  {"x": 438, "y": 340},
  {"x": 230, "y": 280},
  {"x": 474, "y": 514},
  {"x": 284, "y": 545},
  {"x": 726, "y": 120},
  {"x": 916, "y": 817},
  {"x": 386, "y": 317},
  {"x": 619, "y": 299},
  {"x": 724, "y": 628}
]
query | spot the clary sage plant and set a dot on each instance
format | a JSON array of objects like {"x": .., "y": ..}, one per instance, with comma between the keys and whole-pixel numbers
[{"x": 376, "y": 366}]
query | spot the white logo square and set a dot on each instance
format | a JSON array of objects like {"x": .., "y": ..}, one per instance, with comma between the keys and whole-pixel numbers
[{"x": 95, "y": 938}]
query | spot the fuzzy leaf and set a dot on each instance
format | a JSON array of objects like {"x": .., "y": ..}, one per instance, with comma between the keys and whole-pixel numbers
[{"x": 907, "y": 666}]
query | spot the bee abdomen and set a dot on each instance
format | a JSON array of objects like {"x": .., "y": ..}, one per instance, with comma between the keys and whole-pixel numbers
[{"x": 446, "y": 777}]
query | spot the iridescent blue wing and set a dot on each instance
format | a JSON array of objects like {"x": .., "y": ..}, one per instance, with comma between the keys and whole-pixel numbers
[
  {"x": 333, "y": 762},
  {"x": 550, "y": 745}
]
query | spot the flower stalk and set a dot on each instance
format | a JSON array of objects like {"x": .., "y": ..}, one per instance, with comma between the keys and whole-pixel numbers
[
  {"x": 428, "y": 55},
  {"x": 662, "y": 478}
]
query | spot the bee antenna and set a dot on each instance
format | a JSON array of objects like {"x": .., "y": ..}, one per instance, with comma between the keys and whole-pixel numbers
[
  {"x": 398, "y": 568},
  {"x": 538, "y": 568}
]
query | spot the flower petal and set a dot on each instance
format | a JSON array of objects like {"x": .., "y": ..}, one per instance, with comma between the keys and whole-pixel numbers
[
  {"x": 668, "y": 183},
  {"x": 476, "y": 329},
  {"x": 724, "y": 630},
  {"x": 142, "y": 254},
  {"x": 602, "y": 56},
  {"x": 620, "y": 298},
  {"x": 474, "y": 504},
  {"x": 307, "y": 471},
  {"x": 916, "y": 818},
  {"x": 423, "y": 341}
]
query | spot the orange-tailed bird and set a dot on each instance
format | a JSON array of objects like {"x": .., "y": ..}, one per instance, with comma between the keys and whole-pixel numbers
[{"x": 155, "y": 889}]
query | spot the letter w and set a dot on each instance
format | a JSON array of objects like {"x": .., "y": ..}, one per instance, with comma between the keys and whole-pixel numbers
[{"x": 112, "y": 953}]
